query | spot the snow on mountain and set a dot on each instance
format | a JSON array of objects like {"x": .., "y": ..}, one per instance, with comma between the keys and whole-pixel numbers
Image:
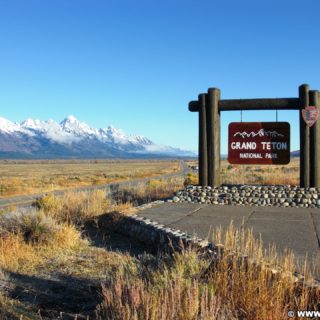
[
  {"x": 77, "y": 128},
  {"x": 9, "y": 127},
  {"x": 50, "y": 130},
  {"x": 161, "y": 149},
  {"x": 76, "y": 138},
  {"x": 117, "y": 136}
]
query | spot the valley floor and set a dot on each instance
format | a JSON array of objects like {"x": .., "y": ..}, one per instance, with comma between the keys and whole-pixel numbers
[{"x": 33, "y": 177}]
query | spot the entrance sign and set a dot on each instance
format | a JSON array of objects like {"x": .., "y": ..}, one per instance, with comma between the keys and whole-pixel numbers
[
  {"x": 209, "y": 107},
  {"x": 259, "y": 143},
  {"x": 310, "y": 115}
]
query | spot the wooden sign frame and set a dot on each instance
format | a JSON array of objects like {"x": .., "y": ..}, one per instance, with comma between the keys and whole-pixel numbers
[{"x": 209, "y": 105}]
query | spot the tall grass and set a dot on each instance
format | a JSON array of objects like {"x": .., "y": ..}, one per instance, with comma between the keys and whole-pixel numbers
[
  {"x": 244, "y": 276},
  {"x": 6, "y": 309},
  {"x": 160, "y": 288},
  {"x": 75, "y": 207},
  {"x": 192, "y": 286},
  {"x": 155, "y": 189}
]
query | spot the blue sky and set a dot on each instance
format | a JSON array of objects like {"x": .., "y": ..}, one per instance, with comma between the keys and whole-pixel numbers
[{"x": 137, "y": 64}]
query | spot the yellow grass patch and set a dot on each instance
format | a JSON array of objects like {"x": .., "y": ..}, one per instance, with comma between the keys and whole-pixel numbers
[
  {"x": 17, "y": 255},
  {"x": 155, "y": 189},
  {"x": 31, "y": 177},
  {"x": 254, "y": 174},
  {"x": 75, "y": 207}
]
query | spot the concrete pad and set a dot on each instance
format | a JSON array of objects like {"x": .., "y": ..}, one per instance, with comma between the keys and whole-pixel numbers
[
  {"x": 167, "y": 213},
  {"x": 195, "y": 227},
  {"x": 293, "y": 228},
  {"x": 281, "y": 214},
  {"x": 206, "y": 219},
  {"x": 230, "y": 212},
  {"x": 284, "y": 231}
]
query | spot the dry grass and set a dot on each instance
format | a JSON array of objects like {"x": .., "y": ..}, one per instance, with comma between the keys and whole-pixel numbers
[
  {"x": 155, "y": 189},
  {"x": 32, "y": 177},
  {"x": 271, "y": 174},
  {"x": 254, "y": 291},
  {"x": 161, "y": 288},
  {"x": 162, "y": 188},
  {"x": 191, "y": 179},
  {"x": 33, "y": 225},
  {"x": 45, "y": 243},
  {"x": 7, "y": 209},
  {"x": 192, "y": 286},
  {"x": 8, "y": 309},
  {"x": 29, "y": 237},
  {"x": 187, "y": 285},
  {"x": 71, "y": 256},
  {"x": 75, "y": 207},
  {"x": 254, "y": 174},
  {"x": 27, "y": 246}
]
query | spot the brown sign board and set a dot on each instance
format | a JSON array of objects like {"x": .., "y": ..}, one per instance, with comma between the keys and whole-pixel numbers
[{"x": 259, "y": 143}]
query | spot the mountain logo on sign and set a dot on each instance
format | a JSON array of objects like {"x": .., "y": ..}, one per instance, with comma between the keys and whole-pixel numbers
[{"x": 260, "y": 133}]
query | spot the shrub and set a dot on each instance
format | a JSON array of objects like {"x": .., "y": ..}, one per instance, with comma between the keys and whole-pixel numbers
[
  {"x": 67, "y": 237},
  {"x": 191, "y": 179},
  {"x": 32, "y": 225},
  {"x": 75, "y": 207},
  {"x": 49, "y": 203},
  {"x": 28, "y": 238}
]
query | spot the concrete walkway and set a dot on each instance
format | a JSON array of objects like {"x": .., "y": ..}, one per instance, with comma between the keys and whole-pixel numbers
[{"x": 292, "y": 228}]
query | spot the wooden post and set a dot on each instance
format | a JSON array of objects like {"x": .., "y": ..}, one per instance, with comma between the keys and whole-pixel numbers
[
  {"x": 304, "y": 139},
  {"x": 203, "y": 161},
  {"x": 314, "y": 99},
  {"x": 213, "y": 136}
]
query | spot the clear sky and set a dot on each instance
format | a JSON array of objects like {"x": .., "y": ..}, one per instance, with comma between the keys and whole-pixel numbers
[{"x": 137, "y": 64}]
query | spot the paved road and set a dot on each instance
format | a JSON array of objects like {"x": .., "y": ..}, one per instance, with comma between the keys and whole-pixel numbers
[
  {"x": 112, "y": 188},
  {"x": 296, "y": 229}
]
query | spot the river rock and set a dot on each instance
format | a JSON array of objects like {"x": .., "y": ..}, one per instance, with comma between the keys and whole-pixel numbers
[{"x": 271, "y": 195}]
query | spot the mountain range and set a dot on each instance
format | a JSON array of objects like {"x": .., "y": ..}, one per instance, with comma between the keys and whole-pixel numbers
[{"x": 72, "y": 138}]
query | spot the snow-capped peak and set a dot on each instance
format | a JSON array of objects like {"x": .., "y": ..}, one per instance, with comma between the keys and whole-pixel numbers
[
  {"x": 8, "y": 126},
  {"x": 4, "y": 123},
  {"x": 114, "y": 132},
  {"x": 72, "y": 125},
  {"x": 32, "y": 124},
  {"x": 71, "y": 133},
  {"x": 69, "y": 120},
  {"x": 111, "y": 128}
]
